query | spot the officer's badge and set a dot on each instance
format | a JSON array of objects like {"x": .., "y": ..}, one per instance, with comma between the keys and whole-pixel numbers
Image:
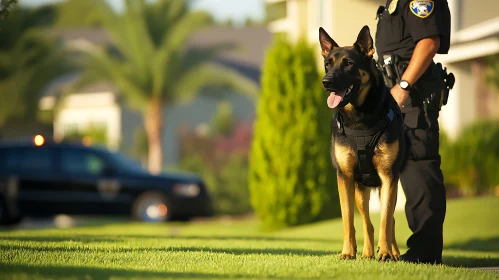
[
  {"x": 422, "y": 8},
  {"x": 393, "y": 6}
]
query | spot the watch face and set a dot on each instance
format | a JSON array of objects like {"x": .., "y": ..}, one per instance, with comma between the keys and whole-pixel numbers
[{"x": 404, "y": 84}]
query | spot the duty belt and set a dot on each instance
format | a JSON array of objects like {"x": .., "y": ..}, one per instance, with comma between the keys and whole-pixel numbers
[{"x": 430, "y": 92}]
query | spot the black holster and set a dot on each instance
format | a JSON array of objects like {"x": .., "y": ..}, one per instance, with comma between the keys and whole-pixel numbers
[{"x": 431, "y": 91}]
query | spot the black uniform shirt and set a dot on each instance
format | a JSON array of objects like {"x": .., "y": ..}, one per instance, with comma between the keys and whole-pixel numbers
[{"x": 401, "y": 28}]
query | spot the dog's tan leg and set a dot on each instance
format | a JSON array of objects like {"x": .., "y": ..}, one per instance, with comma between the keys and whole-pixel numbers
[
  {"x": 395, "y": 248},
  {"x": 388, "y": 199},
  {"x": 346, "y": 190},
  {"x": 362, "y": 195},
  {"x": 385, "y": 157}
]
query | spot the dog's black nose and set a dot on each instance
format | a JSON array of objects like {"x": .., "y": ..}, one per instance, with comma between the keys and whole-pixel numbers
[{"x": 327, "y": 81}]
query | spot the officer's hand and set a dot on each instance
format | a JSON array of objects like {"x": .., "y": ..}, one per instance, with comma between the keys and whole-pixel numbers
[{"x": 400, "y": 95}]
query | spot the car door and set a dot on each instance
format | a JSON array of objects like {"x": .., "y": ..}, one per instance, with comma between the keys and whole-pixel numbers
[
  {"x": 31, "y": 179},
  {"x": 92, "y": 186}
]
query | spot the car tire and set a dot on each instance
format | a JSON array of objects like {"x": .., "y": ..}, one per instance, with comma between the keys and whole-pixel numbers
[
  {"x": 151, "y": 207},
  {"x": 5, "y": 220}
]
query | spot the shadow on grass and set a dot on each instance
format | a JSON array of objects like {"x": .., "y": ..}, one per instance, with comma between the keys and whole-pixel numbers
[
  {"x": 66, "y": 272},
  {"x": 230, "y": 251},
  {"x": 49, "y": 223},
  {"x": 464, "y": 261},
  {"x": 236, "y": 237},
  {"x": 485, "y": 245},
  {"x": 77, "y": 238},
  {"x": 120, "y": 237}
]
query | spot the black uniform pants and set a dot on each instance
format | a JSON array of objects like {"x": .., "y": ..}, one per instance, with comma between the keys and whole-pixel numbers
[{"x": 422, "y": 181}]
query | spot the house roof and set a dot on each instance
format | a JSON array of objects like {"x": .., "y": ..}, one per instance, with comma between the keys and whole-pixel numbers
[
  {"x": 246, "y": 56},
  {"x": 56, "y": 86},
  {"x": 250, "y": 43}
]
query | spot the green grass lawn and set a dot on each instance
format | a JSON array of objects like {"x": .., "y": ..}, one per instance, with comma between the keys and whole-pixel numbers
[{"x": 238, "y": 249}]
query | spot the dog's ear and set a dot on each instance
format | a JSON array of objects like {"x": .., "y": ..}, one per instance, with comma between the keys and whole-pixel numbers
[
  {"x": 327, "y": 43},
  {"x": 364, "y": 43}
]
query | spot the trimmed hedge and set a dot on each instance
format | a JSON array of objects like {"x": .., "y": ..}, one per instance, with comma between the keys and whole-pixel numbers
[
  {"x": 471, "y": 162},
  {"x": 291, "y": 177}
]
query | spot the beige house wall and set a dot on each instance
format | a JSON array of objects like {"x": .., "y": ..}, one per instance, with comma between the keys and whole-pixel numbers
[
  {"x": 477, "y": 11},
  {"x": 342, "y": 19},
  {"x": 461, "y": 106},
  {"x": 351, "y": 16}
]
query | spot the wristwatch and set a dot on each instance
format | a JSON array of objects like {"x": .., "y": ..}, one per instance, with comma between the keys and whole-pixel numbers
[{"x": 405, "y": 85}]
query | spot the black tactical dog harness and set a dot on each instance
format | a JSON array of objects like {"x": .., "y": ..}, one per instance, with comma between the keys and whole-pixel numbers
[{"x": 366, "y": 140}]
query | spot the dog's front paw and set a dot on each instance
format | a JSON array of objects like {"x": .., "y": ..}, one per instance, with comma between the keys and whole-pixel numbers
[
  {"x": 368, "y": 256},
  {"x": 368, "y": 252},
  {"x": 347, "y": 257},
  {"x": 384, "y": 256}
]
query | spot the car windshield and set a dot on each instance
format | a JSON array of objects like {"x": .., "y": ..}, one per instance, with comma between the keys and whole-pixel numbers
[{"x": 125, "y": 164}]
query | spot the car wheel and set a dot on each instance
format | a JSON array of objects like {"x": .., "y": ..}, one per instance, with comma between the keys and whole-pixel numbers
[{"x": 151, "y": 207}]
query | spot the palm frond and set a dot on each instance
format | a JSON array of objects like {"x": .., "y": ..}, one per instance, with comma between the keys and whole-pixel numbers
[
  {"x": 176, "y": 9},
  {"x": 102, "y": 67},
  {"x": 186, "y": 61},
  {"x": 212, "y": 74},
  {"x": 139, "y": 38},
  {"x": 184, "y": 29},
  {"x": 172, "y": 46},
  {"x": 120, "y": 28}
]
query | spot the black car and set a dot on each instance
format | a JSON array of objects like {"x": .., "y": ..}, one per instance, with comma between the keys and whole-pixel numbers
[{"x": 45, "y": 179}]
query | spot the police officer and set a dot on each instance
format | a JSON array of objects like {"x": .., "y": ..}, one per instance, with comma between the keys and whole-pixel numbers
[{"x": 414, "y": 31}]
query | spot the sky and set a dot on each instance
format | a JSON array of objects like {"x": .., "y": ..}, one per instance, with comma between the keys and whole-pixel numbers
[{"x": 237, "y": 10}]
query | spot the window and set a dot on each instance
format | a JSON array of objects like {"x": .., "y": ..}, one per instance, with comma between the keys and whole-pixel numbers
[
  {"x": 29, "y": 159},
  {"x": 81, "y": 162}
]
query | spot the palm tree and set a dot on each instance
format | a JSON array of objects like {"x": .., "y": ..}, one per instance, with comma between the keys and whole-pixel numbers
[
  {"x": 150, "y": 63},
  {"x": 29, "y": 60}
]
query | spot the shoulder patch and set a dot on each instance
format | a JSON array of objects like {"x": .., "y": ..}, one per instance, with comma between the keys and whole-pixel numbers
[
  {"x": 393, "y": 6},
  {"x": 422, "y": 8}
]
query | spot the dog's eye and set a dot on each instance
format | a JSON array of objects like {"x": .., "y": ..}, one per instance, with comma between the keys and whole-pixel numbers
[{"x": 348, "y": 62}]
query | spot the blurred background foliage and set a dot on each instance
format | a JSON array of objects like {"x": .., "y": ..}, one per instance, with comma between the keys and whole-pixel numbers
[
  {"x": 94, "y": 134},
  {"x": 29, "y": 59},
  {"x": 219, "y": 153},
  {"x": 492, "y": 72},
  {"x": 470, "y": 162}
]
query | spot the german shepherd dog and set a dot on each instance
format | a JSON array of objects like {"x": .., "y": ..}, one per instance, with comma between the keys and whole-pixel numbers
[{"x": 357, "y": 91}]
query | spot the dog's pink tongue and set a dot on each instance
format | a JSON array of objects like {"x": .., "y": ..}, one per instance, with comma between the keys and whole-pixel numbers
[{"x": 334, "y": 99}]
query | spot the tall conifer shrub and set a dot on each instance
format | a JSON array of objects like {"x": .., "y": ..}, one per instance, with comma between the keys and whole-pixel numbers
[{"x": 292, "y": 180}]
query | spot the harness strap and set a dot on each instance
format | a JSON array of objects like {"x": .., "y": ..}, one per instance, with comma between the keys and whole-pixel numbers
[
  {"x": 365, "y": 141},
  {"x": 385, "y": 121}
]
